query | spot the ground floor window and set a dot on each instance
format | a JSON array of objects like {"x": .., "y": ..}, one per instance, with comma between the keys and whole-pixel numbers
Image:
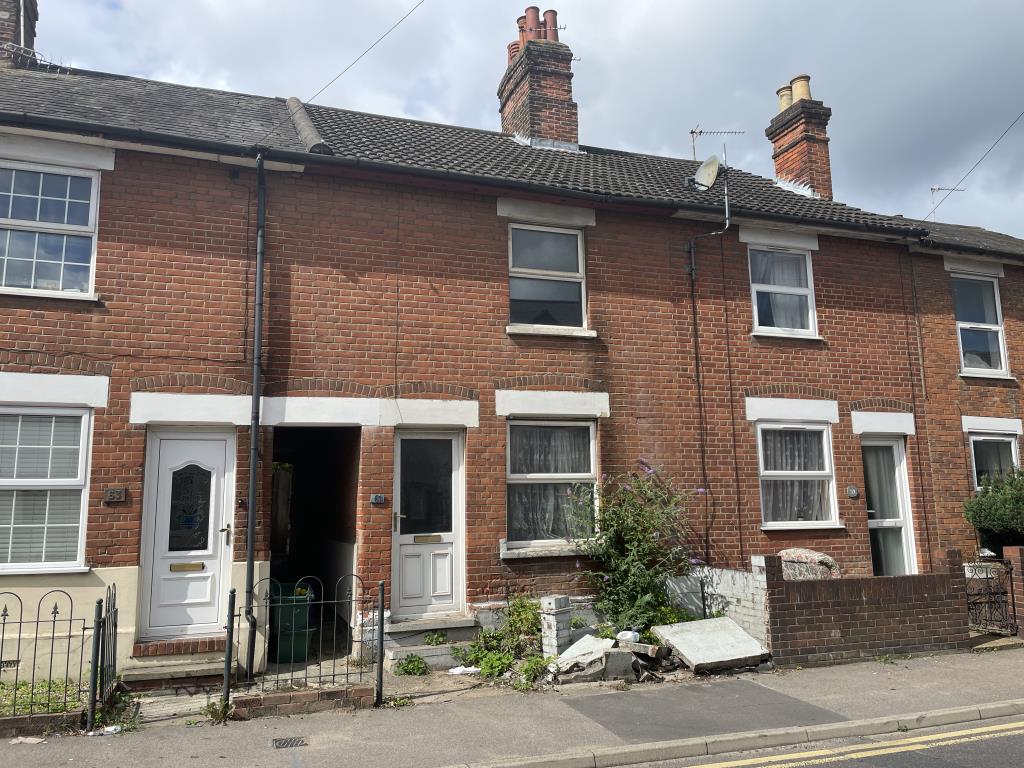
[
  {"x": 796, "y": 475},
  {"x": 546, "y": 460},
  {"x": 992, "y": 456},
  {"x": 43, "y": 460}
]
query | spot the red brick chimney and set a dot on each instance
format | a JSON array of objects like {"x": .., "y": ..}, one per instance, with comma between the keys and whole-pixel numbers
[
  {"x": 18, "y": 27},
  {"x": 536, "y": 92},
  {"x": 799, "y": 136}
]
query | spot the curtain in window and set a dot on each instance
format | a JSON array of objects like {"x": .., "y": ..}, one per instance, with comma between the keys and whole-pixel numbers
[
  {"x": 880, "y": 482},
  {"x": 992, "y": 458},
  {"x": 536, "y": 449},
  {"x": 774, "y": 309},
  {"x": 539, "y": 511},
  {"x": 784, "y": 500}
]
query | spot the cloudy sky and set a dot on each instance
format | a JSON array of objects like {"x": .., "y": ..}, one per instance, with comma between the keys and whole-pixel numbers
[{"x": 919, "y": 90}]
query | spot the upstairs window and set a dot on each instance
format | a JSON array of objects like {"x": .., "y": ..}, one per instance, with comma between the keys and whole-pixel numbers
[
  {"x": 546, "y": 277},
  {"x": 47, "y": 229},
  {"x": 782, "y": 292},
  {"x": 979, "y": 326}
]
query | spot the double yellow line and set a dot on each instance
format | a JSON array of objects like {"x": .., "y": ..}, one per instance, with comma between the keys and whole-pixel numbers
[{"x": 859, "y": 751}]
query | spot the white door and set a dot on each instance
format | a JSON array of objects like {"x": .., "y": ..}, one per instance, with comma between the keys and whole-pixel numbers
[
  {"x": 428, "y": 518},
  {"x": 887, "y": 493},
  {"x": 187, "y": 536}
]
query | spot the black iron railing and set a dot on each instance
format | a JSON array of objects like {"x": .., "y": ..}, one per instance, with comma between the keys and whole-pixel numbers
[{"x": 304, "y": 634}]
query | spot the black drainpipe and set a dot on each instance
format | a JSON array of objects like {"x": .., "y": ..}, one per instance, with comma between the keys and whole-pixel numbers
[{"x": 254, "y": 424}]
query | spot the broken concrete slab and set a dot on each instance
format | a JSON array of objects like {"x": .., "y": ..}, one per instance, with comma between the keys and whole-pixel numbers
[
  {"x": 581, "y": 654},
  {"x": 618, "y": 665},
  {"x": 658, "y": 652},
  {"x": 711, "y": 644}
]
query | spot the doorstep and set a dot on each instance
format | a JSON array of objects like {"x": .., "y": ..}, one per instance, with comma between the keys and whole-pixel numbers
[
  {"x": 179, "y": 646},
  {"x": 184, "y": 669}
]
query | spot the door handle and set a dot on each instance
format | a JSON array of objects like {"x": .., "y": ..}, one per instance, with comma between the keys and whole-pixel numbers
[{"x": 226, "y": 529}]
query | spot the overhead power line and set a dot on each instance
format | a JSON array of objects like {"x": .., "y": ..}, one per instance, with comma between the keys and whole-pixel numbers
[
  {"x": 980, "y": 159},
  {"x": 351, "y": 64}
]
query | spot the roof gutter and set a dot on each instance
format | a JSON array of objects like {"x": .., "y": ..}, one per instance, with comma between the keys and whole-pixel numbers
[{"x": 307, "y": 158}]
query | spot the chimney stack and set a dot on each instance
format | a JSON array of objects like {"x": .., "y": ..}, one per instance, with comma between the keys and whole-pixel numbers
[
  {"x": 18, "y": 28},
  {"x": 535, "y": 94},
  {"x": 799, "y": 136}
]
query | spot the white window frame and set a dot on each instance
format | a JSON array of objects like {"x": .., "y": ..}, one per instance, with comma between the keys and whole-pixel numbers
[
  {"x": 80, "y": 481},
  {"x": 991, "y": 437},
  {"x": 827, "y": 474},
  {"x": 538, "y": 478},
  {"x": 1004, "y": 371},
  {"x": 89, "y": 230},
  {"x": 812, "y": 312},
  {"x": 550, "y": 274}
]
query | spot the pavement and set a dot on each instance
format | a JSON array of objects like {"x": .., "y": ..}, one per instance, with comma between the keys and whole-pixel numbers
[{"x": 482, "y": 725}]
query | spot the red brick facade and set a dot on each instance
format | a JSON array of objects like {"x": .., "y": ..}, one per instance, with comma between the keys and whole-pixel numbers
[{"x": 378, "y": 286}]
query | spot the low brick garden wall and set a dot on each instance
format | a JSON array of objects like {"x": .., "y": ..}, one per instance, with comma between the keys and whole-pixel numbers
[
  {"x": 835, "y": 620},
  {"x": 300, "y": 702},
  {"x": 39, "y": 724}
]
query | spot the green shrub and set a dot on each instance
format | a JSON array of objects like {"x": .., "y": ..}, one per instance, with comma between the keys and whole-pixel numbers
[
  {"x": 411, "y": 665},
  {"x": 577, "y": 622},
  {"x": 435, "y": 638},
  {"x": 639, "y": 544},
  {"x": 495, "y": 664},
  {"x": 999, "y": 508}
]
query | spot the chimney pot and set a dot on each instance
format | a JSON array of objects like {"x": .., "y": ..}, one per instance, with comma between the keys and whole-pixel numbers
[
  {"x": 799, "y": 137},
  {"x": 533, "y": 31},
  {"x": 785, "y": 94},
  {"x": 801, "y": 85},
  {"x": 535, "y": 93},
  {"x": 551, "y": 25}
]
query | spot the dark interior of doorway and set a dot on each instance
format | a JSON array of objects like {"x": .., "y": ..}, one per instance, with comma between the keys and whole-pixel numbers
[{"x": 312, "y": 542}]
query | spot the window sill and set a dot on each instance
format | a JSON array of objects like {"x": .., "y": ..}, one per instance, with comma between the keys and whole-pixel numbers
[
  {"x": 532, "y": 551},
  {"x": 995, "y": 376},
  {"x": 796, "y": 336},
  {"x": 550, "y": 330},
  {"x": 90, "y": 298},
  {"x": 42, "y": 568},
  {"x": 806, "y": 526}
]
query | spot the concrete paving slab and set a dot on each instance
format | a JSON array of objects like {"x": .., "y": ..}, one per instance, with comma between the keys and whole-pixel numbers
[{"x": 711, "y": 644}]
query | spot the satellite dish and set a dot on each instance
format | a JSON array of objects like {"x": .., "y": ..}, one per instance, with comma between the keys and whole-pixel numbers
[{"x": 706, "y": 175}]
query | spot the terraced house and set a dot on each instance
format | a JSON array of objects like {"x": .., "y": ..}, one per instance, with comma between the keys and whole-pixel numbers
[{"x": 455, "y": 326}]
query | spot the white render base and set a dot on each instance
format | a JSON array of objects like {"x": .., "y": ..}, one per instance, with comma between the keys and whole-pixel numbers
[
  {"x": 82, "y": 590},
  {"x": 739, "y": 595}
]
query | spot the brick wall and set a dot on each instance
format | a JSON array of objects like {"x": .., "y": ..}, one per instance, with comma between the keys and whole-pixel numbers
[
  {"x": 378, "y": 285},
  {"x": 836, "y": 620}
]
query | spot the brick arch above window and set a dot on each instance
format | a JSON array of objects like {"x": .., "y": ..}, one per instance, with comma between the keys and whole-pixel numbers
[
  {"x": 794, "y": 390},
  {"x": 179, "y": 382},
  {"x": 548, "y": 381},
  {"x": 881, "y": 404},
  {"x": 15, "y": 361}
]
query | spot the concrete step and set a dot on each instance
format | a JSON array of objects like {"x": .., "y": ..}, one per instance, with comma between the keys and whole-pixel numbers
[
  {"x": 171, "y": 668},
  {"x": 437, "y": 657},
  {"x": 412, "y": 632}
]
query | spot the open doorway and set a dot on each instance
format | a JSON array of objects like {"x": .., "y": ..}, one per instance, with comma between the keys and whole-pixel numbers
[{"x": 313, "y": 520}]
